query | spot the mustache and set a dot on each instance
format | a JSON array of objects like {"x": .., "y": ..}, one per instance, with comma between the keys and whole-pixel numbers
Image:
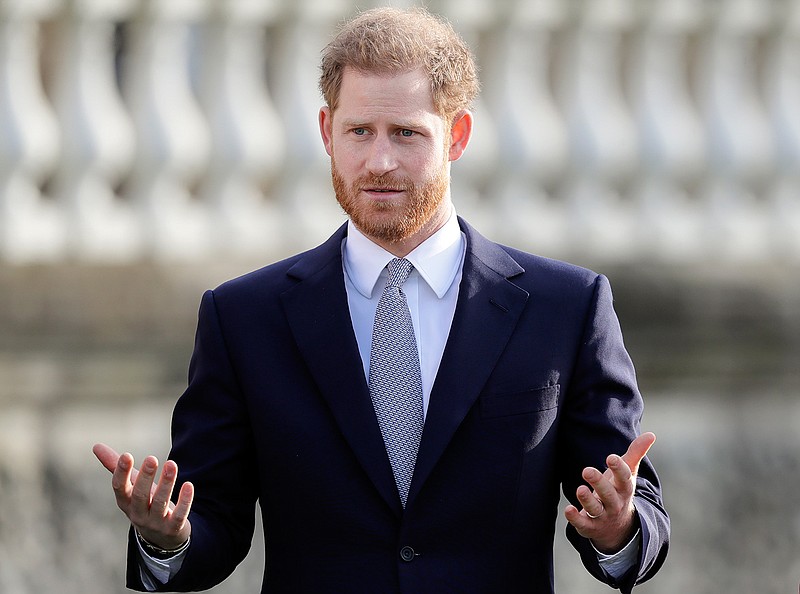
[{"x": 384, "y": 182}]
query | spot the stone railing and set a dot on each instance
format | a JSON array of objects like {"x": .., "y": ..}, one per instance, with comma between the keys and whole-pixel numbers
[{"x": 175, "y": 130}]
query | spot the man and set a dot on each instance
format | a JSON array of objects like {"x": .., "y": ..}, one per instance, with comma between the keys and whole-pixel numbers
[{"x": 405, "y": 400}]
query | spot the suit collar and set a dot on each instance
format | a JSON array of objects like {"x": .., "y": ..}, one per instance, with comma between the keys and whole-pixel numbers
[
  {"x": 320, "y": 258},
  {"x": 489, "y": 253}
]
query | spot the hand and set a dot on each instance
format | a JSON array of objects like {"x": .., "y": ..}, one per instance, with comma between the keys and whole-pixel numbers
[
  {"x": 147, "y": 503},
  {"x": 608, "y": 516}
]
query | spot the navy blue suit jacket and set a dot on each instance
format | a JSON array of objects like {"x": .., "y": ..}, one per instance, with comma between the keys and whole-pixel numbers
[{"x": 534, "y": 385}]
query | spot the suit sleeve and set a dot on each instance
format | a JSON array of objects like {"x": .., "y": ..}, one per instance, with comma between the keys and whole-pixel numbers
[
  {"x": 212, "y": 445},
  {"x": 602, "y": 412}
]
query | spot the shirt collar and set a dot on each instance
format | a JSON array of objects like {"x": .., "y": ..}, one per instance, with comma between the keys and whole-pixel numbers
[{"x": 437, "y": 259}]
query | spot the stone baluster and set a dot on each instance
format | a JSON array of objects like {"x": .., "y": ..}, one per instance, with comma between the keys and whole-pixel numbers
[
  {"x": 173, "y": 139},
  {"x": 98, "y": 135},
  {"x": 307, "y": 198},
  {"x": 31, "y": 225},
  {"x": 671, "y": 134},
  {"x": 741, "y": 157},
  {"x": 473, "y": 19},
  {"x": 783, "y": 91},
  {"x": 26, "y": 500},
  {"x": 247, "y": 135},
  {"x": 532, "y": 150},
  {"x": 602, "y": 134}
]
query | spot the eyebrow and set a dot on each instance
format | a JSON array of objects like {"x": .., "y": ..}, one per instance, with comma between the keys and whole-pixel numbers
[{"x": 409, "y": 124}]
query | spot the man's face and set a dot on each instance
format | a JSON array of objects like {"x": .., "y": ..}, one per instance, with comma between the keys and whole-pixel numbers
[{"x": 390, "y": 152}]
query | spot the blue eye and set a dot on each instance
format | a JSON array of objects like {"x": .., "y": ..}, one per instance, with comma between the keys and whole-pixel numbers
[
  {"x": 407, "y": 133},
  {"x": 359, "y": 131}
]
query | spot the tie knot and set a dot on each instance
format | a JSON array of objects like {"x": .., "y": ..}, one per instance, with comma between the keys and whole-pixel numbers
[{"x": 399, "y": 269}]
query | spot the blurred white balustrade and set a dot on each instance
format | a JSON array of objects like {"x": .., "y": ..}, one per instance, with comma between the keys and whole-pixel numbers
[{"x": 625, "y": 130}]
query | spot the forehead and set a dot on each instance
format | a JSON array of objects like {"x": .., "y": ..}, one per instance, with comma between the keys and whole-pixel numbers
[{"x": 406, "y": 95}]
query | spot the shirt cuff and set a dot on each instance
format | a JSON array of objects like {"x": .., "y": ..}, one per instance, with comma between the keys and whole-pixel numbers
[
  {"x": 620, "y": 563},
  {"x": 157, "y": 572}
]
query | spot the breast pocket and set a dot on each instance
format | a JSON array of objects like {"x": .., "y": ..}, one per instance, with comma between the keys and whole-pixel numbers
[{"x": 528, "y": 401}]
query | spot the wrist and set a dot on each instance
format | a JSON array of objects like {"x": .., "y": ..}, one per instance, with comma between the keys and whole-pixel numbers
[{"x": 158, "y": 552}]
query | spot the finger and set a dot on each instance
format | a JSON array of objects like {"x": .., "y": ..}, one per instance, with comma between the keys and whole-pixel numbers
[
  {"x": 637, "y": 450},
  {"x": 121, "y": 482},
  {"x": 163, "y": 491},
  {"x": 574, "y": 517},
  {"x": 600, "y": 482},
  {"x": 183, "y": 506},
  {"x": 142, "y": 489},
  {"x": 592, "y": 505},
  {"x": 121, "y": 478},
  {"x": 621, "y": 474},
  {"x": 581, "y": 522}
]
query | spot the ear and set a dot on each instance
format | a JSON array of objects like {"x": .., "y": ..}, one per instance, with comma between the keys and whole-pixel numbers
[
  {"x": 325, "y": 127},
  {"x": 460, "y": 134}
]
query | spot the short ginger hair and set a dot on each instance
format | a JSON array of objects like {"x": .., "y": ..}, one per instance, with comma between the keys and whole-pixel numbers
[{"x": 387, "y": 41}]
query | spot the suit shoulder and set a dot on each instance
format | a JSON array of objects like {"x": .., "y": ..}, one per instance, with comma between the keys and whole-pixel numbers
[
  {"x": 540, "y": 269},
  {"x": 283, "y": 274},
  {"x": 523, "y": 267},
  {"x": 267, "y": 278}
]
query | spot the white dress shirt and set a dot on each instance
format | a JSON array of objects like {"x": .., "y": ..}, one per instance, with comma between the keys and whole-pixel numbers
[{"x": 432, "y": 292}]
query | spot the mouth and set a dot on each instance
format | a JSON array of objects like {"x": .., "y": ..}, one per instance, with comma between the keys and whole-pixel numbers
[
  {"x": 384, "y": 189},
  {"x": 383, "y": 192}
]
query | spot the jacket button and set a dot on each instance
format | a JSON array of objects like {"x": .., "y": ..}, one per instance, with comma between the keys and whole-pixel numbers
[{"x": 407, "y": 554}]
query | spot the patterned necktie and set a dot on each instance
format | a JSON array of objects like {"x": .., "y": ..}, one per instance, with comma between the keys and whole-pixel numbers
[{"x": 395, "y": 380}]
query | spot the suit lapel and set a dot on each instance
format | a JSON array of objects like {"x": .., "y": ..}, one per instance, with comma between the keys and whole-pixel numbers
[
  {"x": 318, "y": 313},
  {"x": 487, "y": 311}
]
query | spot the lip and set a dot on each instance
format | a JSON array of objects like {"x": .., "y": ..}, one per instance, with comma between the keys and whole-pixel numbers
[{"x": 382, "y": 193}]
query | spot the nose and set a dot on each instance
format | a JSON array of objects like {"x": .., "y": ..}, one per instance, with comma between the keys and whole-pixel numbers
[{"x": 381, "y": 157}]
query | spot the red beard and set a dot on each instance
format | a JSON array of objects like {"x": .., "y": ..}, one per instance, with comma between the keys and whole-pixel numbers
[{"x": 390, "y": 221}]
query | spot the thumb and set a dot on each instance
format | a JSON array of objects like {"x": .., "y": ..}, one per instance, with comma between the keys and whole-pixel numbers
[
  {"x": 107, "y": 456},
  {"x": 637, "y": 450}
]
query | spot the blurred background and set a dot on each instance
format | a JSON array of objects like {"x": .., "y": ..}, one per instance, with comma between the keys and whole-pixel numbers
[{"x": 150, "y": 149}]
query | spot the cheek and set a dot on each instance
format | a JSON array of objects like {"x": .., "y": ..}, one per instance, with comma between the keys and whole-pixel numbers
[
  {"x": 429, "y": 164},
  {"x": 346, "y": 161}
]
